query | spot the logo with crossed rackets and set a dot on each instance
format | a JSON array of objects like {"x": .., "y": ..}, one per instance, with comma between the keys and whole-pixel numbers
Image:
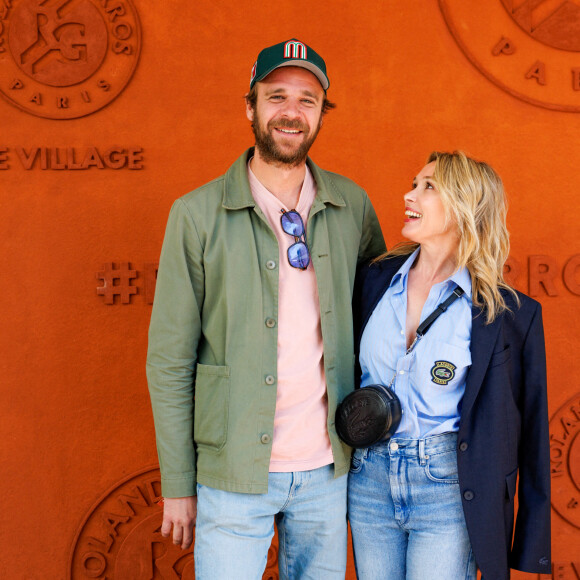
[
  {"x": 528, "y": 48},
  {"x": 64, "y": 59}
]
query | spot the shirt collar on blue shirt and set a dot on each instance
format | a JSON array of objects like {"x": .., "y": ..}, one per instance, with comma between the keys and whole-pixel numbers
[{"x": 460, "y": 277}]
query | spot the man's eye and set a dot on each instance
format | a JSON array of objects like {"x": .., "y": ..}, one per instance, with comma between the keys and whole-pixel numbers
[{"x": 308, "y": 101}]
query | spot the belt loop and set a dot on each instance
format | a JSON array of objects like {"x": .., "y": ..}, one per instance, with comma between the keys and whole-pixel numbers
[{"x": 422, "y": 458}]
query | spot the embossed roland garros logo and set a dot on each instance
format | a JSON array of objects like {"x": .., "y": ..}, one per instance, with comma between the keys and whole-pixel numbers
[
  {"x": 528, "y": 48},
  {"x": 120, "y": 537},
  {"x": 565, "y": 460},
  {"x": 64, "y": 59},
  {"x": 553, "y": 22}
]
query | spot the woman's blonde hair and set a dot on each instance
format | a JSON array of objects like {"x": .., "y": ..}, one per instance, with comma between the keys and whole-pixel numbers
[{"x": 473, "y": 197}]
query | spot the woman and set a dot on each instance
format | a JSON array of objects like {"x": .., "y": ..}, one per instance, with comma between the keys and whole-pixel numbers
[{"x": 436, "y": 501}]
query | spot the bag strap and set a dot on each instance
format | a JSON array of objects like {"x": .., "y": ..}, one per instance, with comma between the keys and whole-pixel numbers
[{"x": 426, "y": 324}]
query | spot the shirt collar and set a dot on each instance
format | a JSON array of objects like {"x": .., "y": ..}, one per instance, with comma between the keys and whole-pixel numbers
[
  {"x": 237, "y": 193},
  {"x": 461, "y": 277},
  {"x": 261, "y": 192},
  {"x": 399, "y": 281}
]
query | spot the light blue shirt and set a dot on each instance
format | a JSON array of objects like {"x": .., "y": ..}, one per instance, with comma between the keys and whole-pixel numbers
[{"x": 430, "y": 381}]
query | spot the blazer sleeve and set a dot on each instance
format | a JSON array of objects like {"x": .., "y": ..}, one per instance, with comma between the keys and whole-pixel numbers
[{"x": 531, "y": 545}]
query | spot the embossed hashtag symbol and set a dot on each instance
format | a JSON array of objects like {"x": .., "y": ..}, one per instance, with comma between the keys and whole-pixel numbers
[{"x": 117, "y": 282}]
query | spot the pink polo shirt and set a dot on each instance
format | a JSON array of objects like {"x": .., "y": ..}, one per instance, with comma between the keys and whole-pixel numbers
[{"x": 300, "y": 441}]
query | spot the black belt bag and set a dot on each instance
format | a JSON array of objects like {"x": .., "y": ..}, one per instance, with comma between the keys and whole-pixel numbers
[
  {"x": 372, "y": 414},
  {"x": 368, "y": 415}
]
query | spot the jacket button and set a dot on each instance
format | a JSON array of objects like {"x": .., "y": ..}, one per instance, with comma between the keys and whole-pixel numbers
[
  {"x": 265, "y": 438},
  {"x": 270, "y": 380},
  {"x": 270, "y": 264},
  {"x": 468, "y": 495},
  {"x": 270, "y": 322},
  {"x": 463, "y": 446}
]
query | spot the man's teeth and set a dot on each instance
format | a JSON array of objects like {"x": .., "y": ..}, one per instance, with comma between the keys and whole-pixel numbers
[
  {"x": 293, "y": 131},
  {"x": 413, "y": 214}
]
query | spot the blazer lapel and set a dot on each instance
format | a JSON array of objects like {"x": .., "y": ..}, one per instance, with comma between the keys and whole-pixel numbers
[
  {"x": 377, "y": 280},
  {"x": 483, "y": 339}
]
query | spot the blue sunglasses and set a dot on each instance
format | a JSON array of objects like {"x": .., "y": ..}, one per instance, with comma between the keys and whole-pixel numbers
[{"x": 292, "y": 224}]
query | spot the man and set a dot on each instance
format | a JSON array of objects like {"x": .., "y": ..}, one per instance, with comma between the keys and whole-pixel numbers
[{"x": 252, "y": 321}]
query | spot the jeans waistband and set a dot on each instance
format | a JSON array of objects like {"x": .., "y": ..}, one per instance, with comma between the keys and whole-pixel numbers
[{"x": 421, "y": 448}]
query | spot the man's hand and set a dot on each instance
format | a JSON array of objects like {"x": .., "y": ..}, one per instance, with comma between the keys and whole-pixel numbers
[{"x": 179, "y": 512}]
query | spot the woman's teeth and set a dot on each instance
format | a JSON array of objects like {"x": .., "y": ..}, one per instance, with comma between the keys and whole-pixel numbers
[{"x": 413, "y": 214}]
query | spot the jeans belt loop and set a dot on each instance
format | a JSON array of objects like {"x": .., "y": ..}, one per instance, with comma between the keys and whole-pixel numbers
[{"x": 422, "y": 457}]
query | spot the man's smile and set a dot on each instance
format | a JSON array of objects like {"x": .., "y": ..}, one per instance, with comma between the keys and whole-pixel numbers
[{"x": 288, "y": 131}]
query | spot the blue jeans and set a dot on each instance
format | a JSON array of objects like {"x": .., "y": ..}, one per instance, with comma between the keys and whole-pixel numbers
[
  {"x": 405, "y": 511},
  {"x": 234, "y": 530}
]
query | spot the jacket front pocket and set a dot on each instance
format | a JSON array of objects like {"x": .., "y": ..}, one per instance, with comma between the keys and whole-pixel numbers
[
  {"x": 500, "y": 357},
  {"x": 510, "y": 483},
  {"x": 212, "y": 398}
]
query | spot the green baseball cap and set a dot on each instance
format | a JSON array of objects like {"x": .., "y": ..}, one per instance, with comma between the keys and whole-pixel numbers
[{"x": 289, "y": 53}]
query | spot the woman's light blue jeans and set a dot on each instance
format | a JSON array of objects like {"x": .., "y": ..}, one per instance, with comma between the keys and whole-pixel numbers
[
  {"x": 405, "y": 511},
  {"x": 234, "y": 530}
]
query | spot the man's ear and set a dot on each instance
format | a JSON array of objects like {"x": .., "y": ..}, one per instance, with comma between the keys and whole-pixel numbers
[{"x": 249, "y": 110}]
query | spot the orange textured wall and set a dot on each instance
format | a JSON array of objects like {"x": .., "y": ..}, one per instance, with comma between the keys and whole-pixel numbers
[{"x": 76, "y": 434}]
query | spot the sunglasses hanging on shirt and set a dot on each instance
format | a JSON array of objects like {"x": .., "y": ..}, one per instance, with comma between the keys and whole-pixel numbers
[{"x": 292, "y": 224}]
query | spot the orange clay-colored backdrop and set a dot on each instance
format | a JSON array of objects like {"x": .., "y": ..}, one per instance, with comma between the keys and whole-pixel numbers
[{"x": 85, "y": 200}]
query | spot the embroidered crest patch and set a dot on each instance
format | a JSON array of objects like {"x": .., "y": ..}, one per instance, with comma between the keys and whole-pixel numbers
[{"x": 442, "y": 372}]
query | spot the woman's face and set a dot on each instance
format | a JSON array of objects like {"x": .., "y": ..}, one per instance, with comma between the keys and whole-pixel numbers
[{"x": 425, "y": 220}]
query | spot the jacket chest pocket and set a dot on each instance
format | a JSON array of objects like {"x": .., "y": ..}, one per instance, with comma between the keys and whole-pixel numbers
[{"x": 212, "y": 397}]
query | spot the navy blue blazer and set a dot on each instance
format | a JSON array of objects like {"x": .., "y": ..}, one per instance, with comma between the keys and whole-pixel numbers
[{"x": 503, "y": 430}]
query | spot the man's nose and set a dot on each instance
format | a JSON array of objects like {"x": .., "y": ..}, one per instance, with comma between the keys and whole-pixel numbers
[{"x": 291, "y": 109}]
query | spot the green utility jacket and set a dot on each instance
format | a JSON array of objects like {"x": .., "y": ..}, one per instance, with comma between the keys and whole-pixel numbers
[{"x": 213, "y": 337}]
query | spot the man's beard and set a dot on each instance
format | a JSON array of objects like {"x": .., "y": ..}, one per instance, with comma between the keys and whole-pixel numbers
[{"x": 271, "y": 152}]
